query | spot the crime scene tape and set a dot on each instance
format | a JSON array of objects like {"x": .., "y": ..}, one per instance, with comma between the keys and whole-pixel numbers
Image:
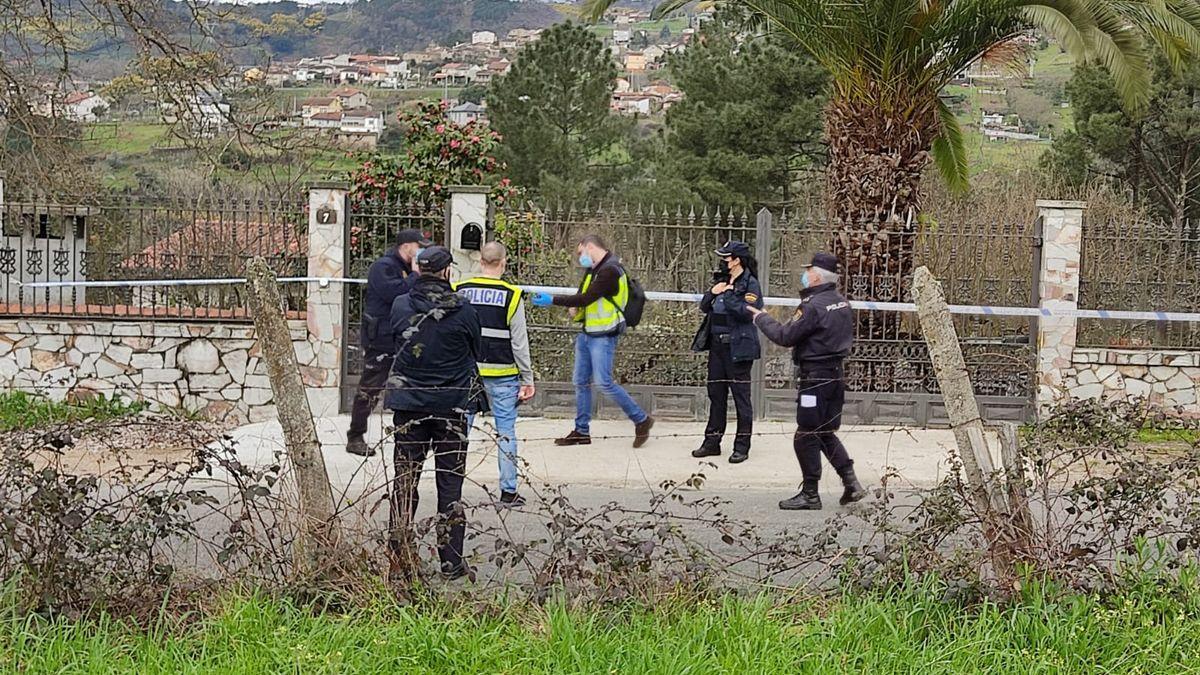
[{"x": 984, "y": 310}]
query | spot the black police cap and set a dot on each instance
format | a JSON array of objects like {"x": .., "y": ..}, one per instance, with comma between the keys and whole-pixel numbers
[
  {"x": 826, "y": 261},
  {"x": 413, "y": 236},
  {"x": 734, "y": 249},
  {"x": 434, "y": 259}
]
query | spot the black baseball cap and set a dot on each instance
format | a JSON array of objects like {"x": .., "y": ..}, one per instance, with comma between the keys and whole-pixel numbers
[
  {"x": 735, "y": 249},
  {"x": 413, "y": 236},
  {"x": 434, "y": 259},
  {"x": 826, "y": 261}
]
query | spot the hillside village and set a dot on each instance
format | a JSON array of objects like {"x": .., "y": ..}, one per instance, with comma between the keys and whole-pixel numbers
[
  {"x": 342, "y": 88},
  {"x": 347, "y": 100}
]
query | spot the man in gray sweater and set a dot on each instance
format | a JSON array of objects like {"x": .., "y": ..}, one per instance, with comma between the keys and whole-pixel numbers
[{"x": 504, "y": 362}]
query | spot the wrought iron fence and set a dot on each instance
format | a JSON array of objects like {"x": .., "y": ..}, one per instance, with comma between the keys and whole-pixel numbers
[
  {"x": 371, "y": 230},
  {"x": 1139, "y": 265},
  {"x": 671, "y": 249},
  {"x": 111, "y": 238}
]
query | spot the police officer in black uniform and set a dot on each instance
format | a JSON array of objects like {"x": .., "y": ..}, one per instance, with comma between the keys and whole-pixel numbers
[
  {"x": 389, "y": 277},
  {"x": 728, "y": 335},
  {"x": 438, "y": 340},
  {"x": 820, "y": 335}
]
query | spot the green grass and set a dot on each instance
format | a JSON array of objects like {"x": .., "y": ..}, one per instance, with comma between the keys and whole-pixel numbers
[
  {"x": 20, "y": 410},
  {"x": 1145, "y": 631},
  {"x": 129, "y": 138},
  {"x": 1160, "y": 435}
]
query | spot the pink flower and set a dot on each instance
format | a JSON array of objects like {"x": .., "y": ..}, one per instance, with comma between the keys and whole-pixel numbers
[
  {"x": 474, "y": 139},
  {"x": 441, "y": 128},
  {"x": 455, "y": 143}
]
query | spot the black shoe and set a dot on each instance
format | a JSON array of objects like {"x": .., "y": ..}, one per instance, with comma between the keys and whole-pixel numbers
[
  {"x": 452, "y": 572},
  {"x": 574, "y": 438},
  {"x": 805, "y": 501},
  {"x": 641, "y": 432},
  {"x": 739, "y": 456},
  {"x": 357, "y": 446},
  {"x": 707, "y": 451},
  {"x": 511, "y": 500},
  {"x": 854, "y": 491}
]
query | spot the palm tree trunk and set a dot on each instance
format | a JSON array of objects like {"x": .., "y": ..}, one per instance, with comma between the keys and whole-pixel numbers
[{"x": 873, "y": 187}]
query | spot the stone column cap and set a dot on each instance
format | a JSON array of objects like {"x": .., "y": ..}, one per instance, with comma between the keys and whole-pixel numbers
[
  {"x": 469, "y": 189},
  {"x": 329, "y": 185},
  {"x": 1060, "y": 204}
]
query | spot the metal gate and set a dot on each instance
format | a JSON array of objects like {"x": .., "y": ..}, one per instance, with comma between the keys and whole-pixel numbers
[{"x": 371, "y": 231}]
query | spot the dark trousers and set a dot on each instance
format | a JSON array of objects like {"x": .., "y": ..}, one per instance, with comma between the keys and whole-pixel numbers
[
  {"x": 821, "y": 396},
  {"x": 724, "y": 376},
  {"x": 376, "y": 366},
  {"x": 417, "y": 433}
]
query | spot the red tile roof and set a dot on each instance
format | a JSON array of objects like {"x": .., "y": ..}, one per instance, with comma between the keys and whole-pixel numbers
[{"x": 222, "y": 239}]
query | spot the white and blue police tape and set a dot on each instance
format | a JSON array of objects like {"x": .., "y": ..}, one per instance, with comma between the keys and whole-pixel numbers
[{"x": 983, "y": 310}]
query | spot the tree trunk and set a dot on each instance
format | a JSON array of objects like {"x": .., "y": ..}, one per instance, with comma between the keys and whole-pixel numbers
[{"x": 878, "y": 147}]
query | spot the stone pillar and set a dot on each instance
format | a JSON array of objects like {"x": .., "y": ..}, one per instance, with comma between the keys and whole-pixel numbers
[
  {"x": 1062, "y": 231},
  {"x": 468, "y": 207},
  {"x": 322, "y": 370}
]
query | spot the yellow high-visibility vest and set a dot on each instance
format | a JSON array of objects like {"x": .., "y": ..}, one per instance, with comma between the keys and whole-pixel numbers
[{"x": 604, "y": 317}]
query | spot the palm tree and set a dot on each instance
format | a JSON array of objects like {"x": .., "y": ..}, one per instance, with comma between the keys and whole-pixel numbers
[{"x": 889, "y": 60}]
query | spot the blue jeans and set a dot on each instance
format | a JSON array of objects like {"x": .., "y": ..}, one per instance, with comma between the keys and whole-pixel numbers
[
  {"x": 594, "y": 364},
  {"x": 502, "y": 395}
]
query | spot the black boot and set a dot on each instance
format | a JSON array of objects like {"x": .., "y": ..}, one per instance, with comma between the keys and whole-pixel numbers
[
  {"x": 707, "y": 450},
  {"x": 854, "y": 491},
  {"x": 807, "y": 500},
  {"x": 357, "y": 446}
]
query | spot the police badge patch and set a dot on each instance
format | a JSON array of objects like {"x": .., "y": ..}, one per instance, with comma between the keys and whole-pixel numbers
[{"x": 751, "y": 298}]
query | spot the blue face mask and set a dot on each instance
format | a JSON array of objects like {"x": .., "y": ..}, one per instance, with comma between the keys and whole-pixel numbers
[
  {"x": 585, "y": 260},
  {"x": 804, "y": 282}
]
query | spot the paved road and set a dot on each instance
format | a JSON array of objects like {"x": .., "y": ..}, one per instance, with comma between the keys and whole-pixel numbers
[{"x": 610, "y": 471}]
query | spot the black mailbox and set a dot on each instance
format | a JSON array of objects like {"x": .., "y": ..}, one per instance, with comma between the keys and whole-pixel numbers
[{"x": 472, "y": 237}]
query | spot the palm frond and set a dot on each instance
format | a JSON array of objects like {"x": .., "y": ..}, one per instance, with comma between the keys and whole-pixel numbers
[{"x": 950, "y": 152}]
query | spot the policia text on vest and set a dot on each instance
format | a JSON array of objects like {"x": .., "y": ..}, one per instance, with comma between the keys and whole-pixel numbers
[
  {"x": 496, "y": 303},
  {"x": 505, "y": 366}
]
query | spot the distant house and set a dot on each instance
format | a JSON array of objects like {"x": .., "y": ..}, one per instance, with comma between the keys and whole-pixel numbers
[
  {"x": 361, "y": 121},
  {"x": 350, "y": 97},
  {"x": 660, "y": 89},
  {"x": 622, "y": 85},
  {"x": 319, "y": 105},
  {"x": 455, "y": 73},
  {"x": 494, "y": 68},
  {"x": 302, "y": 75},
  {"x": 324, "y": 120},
  {"x": 993, "y": 119},
  {"x": 622, "y": 36},
  {"x": 653, "y": 53},
  {"x": 83, "y": 106},
  {"x": 635, "y": 103},
  {"x": 465, "y": 113},
  {"x": 635, "y": 62},
  {"x": 483, "y": 37},
  {"x": 523, "y": 36},
  {"x": 205, "y": 113}
]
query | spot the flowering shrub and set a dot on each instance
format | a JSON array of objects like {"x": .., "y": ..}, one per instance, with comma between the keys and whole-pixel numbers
[{"x": 437, "y": 153}]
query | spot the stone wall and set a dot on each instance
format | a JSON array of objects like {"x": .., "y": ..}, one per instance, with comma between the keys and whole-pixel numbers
[
  {"x": 215, "y": 370},
  {"x": 1164, "y": 378}
]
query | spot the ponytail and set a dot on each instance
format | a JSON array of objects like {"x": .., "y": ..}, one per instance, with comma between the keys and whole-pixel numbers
[{"x": 750, "y": 264}]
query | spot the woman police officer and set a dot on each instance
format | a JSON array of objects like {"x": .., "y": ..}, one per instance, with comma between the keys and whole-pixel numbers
[{"x": 731, "y": 340}]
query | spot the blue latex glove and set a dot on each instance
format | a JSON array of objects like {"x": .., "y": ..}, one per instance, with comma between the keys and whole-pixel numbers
[{"x": 541, "y": 299}]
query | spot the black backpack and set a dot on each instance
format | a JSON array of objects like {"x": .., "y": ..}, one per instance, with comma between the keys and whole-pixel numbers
[{"x": 636, "y": 304}]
